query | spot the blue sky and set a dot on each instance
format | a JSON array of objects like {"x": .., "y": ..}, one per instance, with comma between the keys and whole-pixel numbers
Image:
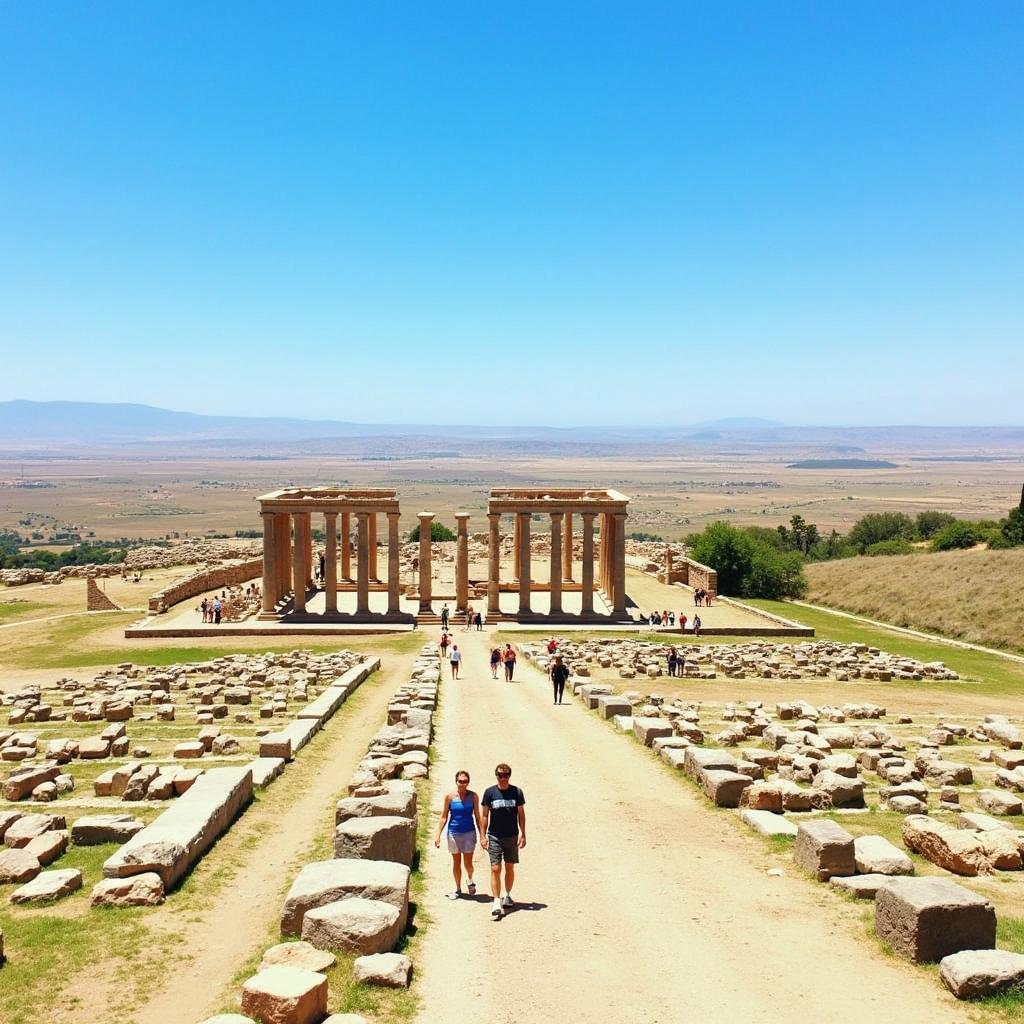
[{"x": 530, "y": 213}]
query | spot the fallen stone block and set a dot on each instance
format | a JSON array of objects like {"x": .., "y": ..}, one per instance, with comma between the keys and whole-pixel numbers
[
  {"x": 19, "y": 784},
  {"x": 285, "y": 995},
  {"x": 190, "y": 750},
  {"x": 979, "y": 973},
  {"x": 609, "y": 706},
  {"x": 146, "y": 890},
  {"x": 327, "y": 881},
  {"x": 864, "y": 887},
  {"x": 49, "y": 885},
  {"x": 699, "y": 759},
  {"x": 394, "y": 803},
  {"x": 94, "y": 829},
  {"x": 998, "y": 801},
  {"x": 875, "y": 855},
  {"x": 723, "y": 788},
  {"x": 954, "y": 849},
  {"x": 926, "y": 919},
  {"x": 48, "y": 847},
  {"x": 841, "y": 791},
  {"x": 768, "y": 823},
  {"x": 353, "y": 925},
  {"x": 298, "y": 954},
  {"x": 824, "y": 849},
  {"x": 18, "y": 865},
  {"x": 28, "y": 826},
  {"x": 276, "y": 745},
  {"x": 265, "y": 770},
  {"x": 392, "y": 970},
  {"x": 383, "y": 837},
  {"x": 646, "y": 730}
]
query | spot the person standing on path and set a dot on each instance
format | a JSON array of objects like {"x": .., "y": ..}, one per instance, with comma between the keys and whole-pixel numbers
[
  {"x": 461, "y": 813},
  {"x": 444, "y": 643},
  {"x": 503, "y": 835},
  {"x": 509, "y": 658},
  {"x": 444, "y": 617},
  {"x": 495, "y": 661},
  {"x": 455, "y": 660},
  {"x": 559, "y": 675}
]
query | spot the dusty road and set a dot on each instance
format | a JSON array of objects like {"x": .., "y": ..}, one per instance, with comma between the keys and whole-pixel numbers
[{"x": 636, "y": 903}]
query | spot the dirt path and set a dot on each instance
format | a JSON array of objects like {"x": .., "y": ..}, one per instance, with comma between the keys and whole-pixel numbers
[
  {"x": 229, "y": 929},
  {"x": 637, "y": 903}
]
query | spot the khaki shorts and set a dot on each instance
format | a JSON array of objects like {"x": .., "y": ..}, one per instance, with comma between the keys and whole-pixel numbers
[
  {"x": 461, "y": 842},
  {"x": 505, "y": 848}
]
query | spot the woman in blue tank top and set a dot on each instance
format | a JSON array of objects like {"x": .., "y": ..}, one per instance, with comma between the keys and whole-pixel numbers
[{"x": 461, "y": 814}]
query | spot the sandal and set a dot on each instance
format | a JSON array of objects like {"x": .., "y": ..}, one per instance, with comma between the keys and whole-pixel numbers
[{"x": 472, "y": 888}]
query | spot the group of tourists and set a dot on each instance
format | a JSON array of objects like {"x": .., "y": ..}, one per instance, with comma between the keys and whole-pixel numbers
[
  {"x": 231, "y": 605},
  {"x": 701, "y": 597},
  {"x": 497, "y": 822},
  {"x": 472, "y": 618},
  {"x": 667, "y": 619}
]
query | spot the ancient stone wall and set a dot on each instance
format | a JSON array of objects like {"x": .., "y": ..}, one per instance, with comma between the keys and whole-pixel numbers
[
  {"x": 692, "y": 574},
  {"x": 207, "y": 579},
  {"x": 96, "y": 600}
]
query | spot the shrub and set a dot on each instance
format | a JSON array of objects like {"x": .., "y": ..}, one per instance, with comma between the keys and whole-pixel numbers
[
  {"x": 889, "y": 547},
  {"x": 929, "y": 523},
  {"x": 640, "y": 535},
  {"x": 959, "y": 534},
  {"x": 878, "y": 526},
  {"x": 438, "y": 532},
  {"x": 746, "y": 565}
]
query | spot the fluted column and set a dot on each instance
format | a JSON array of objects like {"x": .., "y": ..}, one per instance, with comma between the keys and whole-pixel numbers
[
  {"x": 362, "y": 563},
  {"x": 618, "y": 566},
  {"x": 270, "y": 574},
  {"x": 567, "y": 549},
  {"x": 523, "y": 519},
  {"x": 587, "y": 577},
  {"x": 372, "y": 541},
  {"x": 394, "y": 565},
  {"x": 299, "y": 574},
  {"x": 425, "y": 518},
  {"x": 493, "y": 564},
  {"x": 346, "y": 546},
  {"x": 556, "y": 563},
  {"x": 462, "y": 561},
  {"x": 331, "y": 563}
]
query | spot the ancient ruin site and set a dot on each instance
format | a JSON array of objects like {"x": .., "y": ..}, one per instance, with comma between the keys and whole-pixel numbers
[{"x": 511, "y": 513}]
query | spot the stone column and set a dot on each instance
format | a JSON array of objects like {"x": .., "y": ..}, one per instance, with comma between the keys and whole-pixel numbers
[
  {"x": 270, "y": 574},
  {"x": 587, "y": 578},
  {"x": 362, "y": 563},
  {"x": 515, "y": 547},
  {"x": 283, "y": 543},
  {"x": 425, "y": 518},
  {"x": 462, "y": 562},
  {"x": 346, "y": 546},
  {"x": 567, "y": 550},
  {"x": 523, "y": 519},
  {"x": 307, "y": 548},
  {"x": 556, "y": 563},
  {"x": 331, "y": 563},
  {"x": 618, "y": 566},
  {"x": 493, "y": 564},
  {"x": 299, "y": 574},
  {"x": 372, "y": 541},
  {"x": 606, "y": 536},
  {"x": 394, "y": 565}
]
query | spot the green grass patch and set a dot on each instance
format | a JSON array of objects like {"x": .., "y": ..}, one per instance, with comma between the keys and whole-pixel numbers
[{"x": 16, "y": 609}]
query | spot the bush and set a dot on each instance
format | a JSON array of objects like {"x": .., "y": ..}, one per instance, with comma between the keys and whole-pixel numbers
[
  {"x": 889, "y": 547},
  {"x": 880, "y": 526},
  {"x": 747, "y": 566},
  {"x": 640, "y": 535},
  {"x": 438, "y": 532},
  {"x": 929, "y": 523},
  {"x": 959, "y": 534}
]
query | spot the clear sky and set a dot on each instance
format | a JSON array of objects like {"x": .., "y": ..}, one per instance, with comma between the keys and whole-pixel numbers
[{"x": 516, "y": 213}]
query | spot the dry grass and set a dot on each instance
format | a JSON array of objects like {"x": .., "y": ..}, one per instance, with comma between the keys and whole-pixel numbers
[{"x": 977, "y": 596}]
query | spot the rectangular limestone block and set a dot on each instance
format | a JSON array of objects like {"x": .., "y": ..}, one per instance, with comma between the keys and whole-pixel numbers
[
  {"x": 723, "y": 788},
  {"x": 699, "y": 759},
  {"x": 285, "y": 995},
  {"x": 824, "y": 849},
  {"x": 276, "y": 744},
  {"x": 647, "y": 730},
  {"x": 926, "y": 919},
  {"x": 610, "y": 705},
  {"x": 382, "y": 837}
]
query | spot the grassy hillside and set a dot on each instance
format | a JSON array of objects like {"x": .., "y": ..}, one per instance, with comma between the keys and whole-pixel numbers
[{"x": 976, "y": 596}]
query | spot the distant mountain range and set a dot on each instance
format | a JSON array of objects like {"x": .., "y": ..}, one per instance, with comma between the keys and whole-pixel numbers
[{"x": 27, "y": 426}]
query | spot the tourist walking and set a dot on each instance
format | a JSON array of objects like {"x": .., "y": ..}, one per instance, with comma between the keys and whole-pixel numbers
[
  {"x": 509, "y": 658},
  {"x": 218, "y": 607},
  {"x": 461, "y": 814},
  {"x": 495, "y": 661},
  {"x": 682, "y": 621},
  {"x": 696, "y": 625},
  {"x": 559, "y": 674},
  {"x": 455, "y": 660},
  {"x": 479, "y": 621},
  {"x": 444, "y": 617},
  {"x": 469, "y": 619},
  {"x": 444, "y": 644},
  {"x": 503, "y": 835},
  {"x": 673, "y": 661}
]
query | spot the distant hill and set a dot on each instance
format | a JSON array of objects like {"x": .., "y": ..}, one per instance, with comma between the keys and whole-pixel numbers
[
  {"x": 842, "y": 464},
  {"x": 972, "y": 595}
]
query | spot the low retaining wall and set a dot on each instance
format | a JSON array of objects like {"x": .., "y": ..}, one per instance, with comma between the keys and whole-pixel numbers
[
  {"x": 692, "y": 574},
  {"x": 206, "y": 579}
]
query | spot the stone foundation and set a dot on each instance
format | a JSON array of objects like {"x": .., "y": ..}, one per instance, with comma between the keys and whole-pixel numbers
[{"x": 204, "y": 581}]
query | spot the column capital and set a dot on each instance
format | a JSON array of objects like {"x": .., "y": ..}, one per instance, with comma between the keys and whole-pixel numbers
[{"x": 555, "y": 516}]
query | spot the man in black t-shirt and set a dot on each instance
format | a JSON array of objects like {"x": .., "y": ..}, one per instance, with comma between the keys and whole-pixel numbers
[
  {"x": 503, "y": 834},
  {"x": 559, "y": 674}
]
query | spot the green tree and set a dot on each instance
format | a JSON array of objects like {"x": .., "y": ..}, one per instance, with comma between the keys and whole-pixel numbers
[
  {"x": 929, "y": 523},
  {"x": 879, "y": 526},
  {"x": 958, "y": 534},
  {"x": 747, "y": 566},
  {"x": 774, "y": 574},
  {"x": 1012, "y": 527},
  {"x": 889, "y": 547},
  {"x": 438, "y": 532}
]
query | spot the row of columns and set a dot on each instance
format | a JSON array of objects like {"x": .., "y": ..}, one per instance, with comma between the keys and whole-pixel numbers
[
  {"x": 612, "y": 560},
  {"x": 288, "y": 563}
]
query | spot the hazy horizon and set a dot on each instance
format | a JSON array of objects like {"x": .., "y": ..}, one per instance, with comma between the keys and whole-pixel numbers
[{"x": 522, "y": 216}]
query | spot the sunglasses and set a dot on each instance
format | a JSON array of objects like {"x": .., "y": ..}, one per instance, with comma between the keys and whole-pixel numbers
[{"x": 503, "y": 775}]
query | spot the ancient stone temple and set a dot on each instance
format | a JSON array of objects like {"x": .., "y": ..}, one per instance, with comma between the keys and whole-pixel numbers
[
  {"x": 289, "y": 517},
  {"x": 603, "y": 562}
]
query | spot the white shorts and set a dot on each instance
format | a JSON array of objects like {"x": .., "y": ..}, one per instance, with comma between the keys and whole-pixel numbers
[{"x": 461, "y": 842}]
